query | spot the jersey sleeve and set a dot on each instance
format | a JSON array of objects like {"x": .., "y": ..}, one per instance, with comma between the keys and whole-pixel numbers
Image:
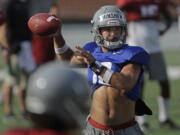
[
  {"x": 91, "y": 46},
  {"x": 139, "y": 56}
]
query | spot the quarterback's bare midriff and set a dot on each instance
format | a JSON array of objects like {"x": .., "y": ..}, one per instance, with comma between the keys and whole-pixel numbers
[{"x": 109, "y": 107}]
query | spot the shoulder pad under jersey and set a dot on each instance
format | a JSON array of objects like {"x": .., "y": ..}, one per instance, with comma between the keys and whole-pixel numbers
[
  {"x": 90, "y": 46},
  {"x": 136, "y": 54}
]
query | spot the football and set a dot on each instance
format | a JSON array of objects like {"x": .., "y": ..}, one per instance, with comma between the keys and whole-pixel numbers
[{"x": 44, "y": 24}]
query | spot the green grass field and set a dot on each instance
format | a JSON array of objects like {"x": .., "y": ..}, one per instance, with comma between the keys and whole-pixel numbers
[{"x": 151, "y": 93}]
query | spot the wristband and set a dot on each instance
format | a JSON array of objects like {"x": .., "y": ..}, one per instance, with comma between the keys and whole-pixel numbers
[
  {"x": 97, "y": 67},
  {"x": 61, "y": 50},
  {"x": 107, "y": 76}
]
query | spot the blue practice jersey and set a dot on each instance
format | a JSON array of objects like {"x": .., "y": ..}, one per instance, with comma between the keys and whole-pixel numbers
[{"x": 116, "y": 60}]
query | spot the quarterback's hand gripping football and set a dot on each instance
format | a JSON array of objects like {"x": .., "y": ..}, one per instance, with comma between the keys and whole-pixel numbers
[
  {"x": 44, "y": 24},
  {"x": 83, "y": 55}
]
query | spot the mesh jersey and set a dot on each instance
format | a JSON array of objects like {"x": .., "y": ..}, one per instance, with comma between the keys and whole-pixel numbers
[
  {"x": 142, "y": 9},
  {"x": 116, "y": 60},
  {"x": 33, "y": 132}
]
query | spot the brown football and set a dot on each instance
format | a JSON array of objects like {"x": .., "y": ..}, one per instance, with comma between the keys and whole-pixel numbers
[{"x": 44, "y": 24}]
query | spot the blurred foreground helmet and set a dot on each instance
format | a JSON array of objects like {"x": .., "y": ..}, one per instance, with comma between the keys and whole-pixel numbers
[
  {"x": 56, "y": 89},
  {"x": 108, "y": 16}
]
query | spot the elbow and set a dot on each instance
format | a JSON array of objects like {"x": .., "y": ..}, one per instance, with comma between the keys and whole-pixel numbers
[
  {"x": 123, "y": 82},
  {"x": 125, "y": 87}
]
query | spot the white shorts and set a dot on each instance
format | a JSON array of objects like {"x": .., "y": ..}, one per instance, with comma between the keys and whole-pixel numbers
[{"x": 144, "y": 34}]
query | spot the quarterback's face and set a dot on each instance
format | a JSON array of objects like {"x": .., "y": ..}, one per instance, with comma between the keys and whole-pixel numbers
[{"x": 111, "y": 34}]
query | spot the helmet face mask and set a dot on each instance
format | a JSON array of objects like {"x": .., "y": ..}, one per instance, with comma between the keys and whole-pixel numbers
[{"x": 109, "y": 16}]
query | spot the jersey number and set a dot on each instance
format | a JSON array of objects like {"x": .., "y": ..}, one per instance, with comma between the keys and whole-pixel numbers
[{"x": 148, "y": 11}]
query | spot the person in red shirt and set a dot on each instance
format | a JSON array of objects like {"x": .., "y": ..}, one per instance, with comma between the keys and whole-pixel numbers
[
  {"x": 42, "y": 46},
  {"x": 42, "y": 49},
  {"x": 144, "y": 17},
  {"x": 56, "y": 101},
  {"x": 17, "y": 55}
]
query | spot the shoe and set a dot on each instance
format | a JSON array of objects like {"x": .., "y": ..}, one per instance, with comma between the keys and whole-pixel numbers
[
  {"x": 145, "y": 127},
  {"x": 9, "y": 117},
  {"x": 169, "y": 124}
]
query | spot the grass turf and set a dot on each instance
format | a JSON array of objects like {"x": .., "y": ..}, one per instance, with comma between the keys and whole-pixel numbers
[{"x": 151, "y": 92}]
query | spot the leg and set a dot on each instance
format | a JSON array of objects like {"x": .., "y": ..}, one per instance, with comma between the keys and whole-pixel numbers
[
  {"x": 160, "y": 74},
  {"x": 26, "y": 65},
  {"x": 8, "y": 92},
  {"x": 21, "y": 98},
  {"x": 165, "y": 89},
  {"x": 7, "y": 98},
  {"x": 22, "y": 85},
  {"x": 163, "y": 102}
]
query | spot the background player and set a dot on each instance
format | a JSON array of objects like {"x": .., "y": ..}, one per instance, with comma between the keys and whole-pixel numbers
[
  {"x": 144, "y": 30},
  {"x": 17, "y": 54}
]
